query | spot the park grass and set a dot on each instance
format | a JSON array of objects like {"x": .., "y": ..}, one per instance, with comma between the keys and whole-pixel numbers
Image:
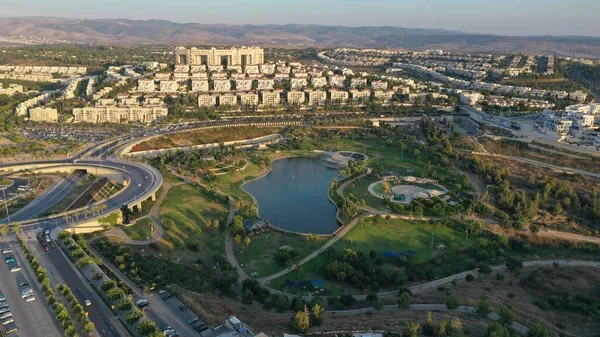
[
  {"x": 394, "y": 235},
  {"x": 231, "y": 183},
  {"x": 190, "y": 209},
  {"x": 168, "y": 176},
  {"x": 141, "y": 230},
  {"x": 259, "y": 257}
]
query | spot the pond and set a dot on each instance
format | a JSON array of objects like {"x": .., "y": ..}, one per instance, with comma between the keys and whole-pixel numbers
[{"x": 293, "y": 196}]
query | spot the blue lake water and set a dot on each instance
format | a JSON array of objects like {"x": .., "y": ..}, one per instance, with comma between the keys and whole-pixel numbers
[{"x": 293, "y": 196}]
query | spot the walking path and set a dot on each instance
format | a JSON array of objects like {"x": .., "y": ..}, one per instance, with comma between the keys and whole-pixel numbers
[
  {"x": 522, "y": 329},
  {"x": 153, "y": 215}
]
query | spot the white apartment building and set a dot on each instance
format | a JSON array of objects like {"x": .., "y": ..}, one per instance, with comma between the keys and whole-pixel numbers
[
  {"x": 318, "y": 81},
  {"x": 43, "y": 114},
  {"x": 471, "y": 98},
  {"x": 200, "y": 86},
  {"x": 146, "y": 86},
  {"x": 592, "y": 108},
  {"x": 578, "y": 95},
  {"x": 338, "y": 96},
  {"x": 119, "y": 114},
  {"x": 383, "y": 95},
  {"x": 11, "y": 89},
  {"x": 358, "y": 82},
  {"x": 553, "y": 125},
  {"x": 317, "y": 97},
  {"x": 218, "y": 76},
  {"x": 267, "y": 69},
  {"x": 206, "y": 100},
  {"x": 336, "y": 81},
  {"x": 270, "y": 98},
  {"x": 295, "y": 97},
  {"x": 358, "y": 95},
  {"x": 160, "y": 77},
  {"x": 298, "y": 83},
  {"x": 252, "y": 69},
  {"x": 265, "y": 84},
  {"x": 221, "y": 85},
  {"x": 248, "y": 99},
  {"x": 227, "y": 99},
  {"x": 169, "y": 86},
  {"x": 379, "y": 85},
  {"x": 243, "y": 85}
]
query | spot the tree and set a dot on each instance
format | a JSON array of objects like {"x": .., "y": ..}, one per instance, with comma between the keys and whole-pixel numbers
[
  {"x": 484, "y": 307},
  {"x": 497, "y": 330},
  {"x": 404, "y": 300},
  {"x": 506, "y": 316},
  {"x": 537, "y": 330},
  {"x": 428, "y": 328},
  {"x": 316, "y": 314},
  {"x": 4, "y": 231},
  {"x": 474, "y": 227},
  {"x": 452, "y": 302},
  {"x": 378, "y": 304},
  {"x": 301, "y": 321},
  {"x": 411, "y": 329},
  {"x": 248, "y": 297},
  {"x": 457, "y": 327}
]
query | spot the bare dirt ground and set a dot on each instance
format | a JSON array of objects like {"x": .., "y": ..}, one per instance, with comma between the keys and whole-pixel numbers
[
  {"x": 561, "y": 281},
  {"x": 215, "y": 309}
]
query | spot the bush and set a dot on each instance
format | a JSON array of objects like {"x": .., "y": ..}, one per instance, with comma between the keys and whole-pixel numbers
[
  {"x": 404, "y": 300},
  {"x": 133, "y": 316},
  {"x": 452, "y": 302},
  {"x": 125, "y": 305},
  {"x": 484, "y": 307}
]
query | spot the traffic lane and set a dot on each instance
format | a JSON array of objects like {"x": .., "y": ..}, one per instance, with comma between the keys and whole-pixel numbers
[
  {"x": 45, "y": 201},
  {"x": 21, "y": 313},
  {"x": 98, "y": 313},
  {"x": 40, "y": 313}
]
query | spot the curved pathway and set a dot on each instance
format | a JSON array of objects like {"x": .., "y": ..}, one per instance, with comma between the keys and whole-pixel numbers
[{"x": 153, "y": 215}]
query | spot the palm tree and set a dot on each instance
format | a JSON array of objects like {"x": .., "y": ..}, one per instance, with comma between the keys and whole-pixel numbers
[
  {"x": 66, "y": 216},
  {"x": 4, "y": 231},
  {"x": 17, "y": 228},
  {"x": 76, "y": 214}
]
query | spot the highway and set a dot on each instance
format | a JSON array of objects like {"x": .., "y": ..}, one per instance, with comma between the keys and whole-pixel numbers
[
  {"x": 99, "y": 313},
  {"x": 52, "y": 196}
]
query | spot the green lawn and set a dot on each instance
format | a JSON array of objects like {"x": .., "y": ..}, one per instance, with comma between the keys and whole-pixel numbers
[
  {"x": 395, "y": 235},
  {"x": 230, "y": 183},
  {"x": 141, "y": 230},
  {"x": 259, "y": 256},
  {"x": 189, "y": 209}
]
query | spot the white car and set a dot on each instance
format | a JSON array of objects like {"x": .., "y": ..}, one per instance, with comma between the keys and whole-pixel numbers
[{"x": 87, "y": 303}]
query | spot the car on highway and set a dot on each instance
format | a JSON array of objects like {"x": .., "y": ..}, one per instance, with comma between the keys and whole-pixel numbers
[{"x": 87, "y": 302}]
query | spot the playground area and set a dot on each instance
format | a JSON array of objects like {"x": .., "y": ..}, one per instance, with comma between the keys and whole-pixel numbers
[{"x": 404, "y": 190}]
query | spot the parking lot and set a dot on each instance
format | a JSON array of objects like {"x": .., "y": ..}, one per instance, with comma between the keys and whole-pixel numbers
[{"x": 32, "y": 318}]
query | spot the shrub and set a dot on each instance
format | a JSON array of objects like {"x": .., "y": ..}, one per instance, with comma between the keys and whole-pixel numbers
[{"x": 452, "y": 302}]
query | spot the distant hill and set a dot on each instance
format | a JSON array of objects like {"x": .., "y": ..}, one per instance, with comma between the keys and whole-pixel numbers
[{"x": 123, "y": 31}]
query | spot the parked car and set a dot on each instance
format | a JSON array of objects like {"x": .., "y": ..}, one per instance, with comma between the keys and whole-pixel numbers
[
  {"x": 29, "y": 298},
  {"x": 10, "y": 328},
  {"x": 6, "y": 315},
  {"x": 4, "y": 310},
  {"x": 142, "y": 302},
  {"x": 8, "y": 321}
]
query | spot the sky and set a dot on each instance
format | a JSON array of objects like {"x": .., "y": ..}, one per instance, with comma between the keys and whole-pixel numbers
[{"x": 502, "y": 17}]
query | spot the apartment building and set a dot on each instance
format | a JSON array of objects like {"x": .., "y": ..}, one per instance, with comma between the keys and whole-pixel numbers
[
  {"x": 298, "y": 83},
  {"x": 248, "y": 99},
  {"x": 360, "y": 95},
  {"x": 318, "y": 81},
  {"x": 470, "y": 98},
  {"x": 317, "y": 97},
  {"x": 379, "y": 85},
  {"x": 43, "y": 114},
  {"x": 119, "y": 114},
  {"x": 11, "y": 89},
  {"x": 267, "y": 69},
  {"x": 383, "y": 95},
  {"x": 169, "y": 86},
  {"x": 146, "y": 86},
  {"x": 207, "y": 100},
  {"x": 243, "y": 85},
  {"x": 358, "y": 82},
  {"x": 270, "y": 98},
  {"x": 338, "y": 96},
  {"x": 253, "y": 69},
  {"x": 227, "y": 99},
  {"x": 336, "y": 81},
  {"x": 200, "y": 86},
  {"x": 295, "y": 97},
  {"x": 265, "y": 84},
  {"x": 221, "y": 85}
]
